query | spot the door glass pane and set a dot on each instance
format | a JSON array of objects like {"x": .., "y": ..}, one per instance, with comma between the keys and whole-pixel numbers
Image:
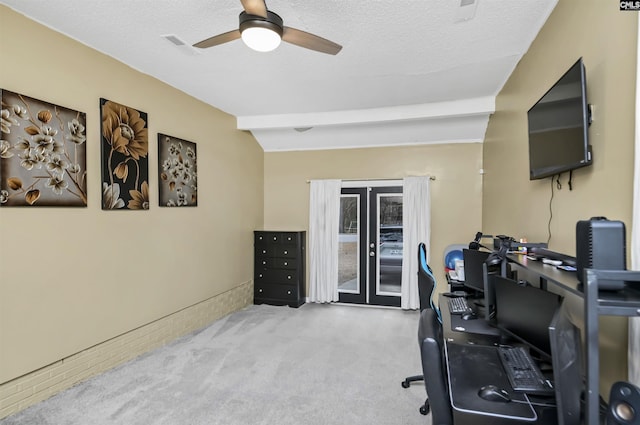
[
  {"x": 389, "y": 243},
  {"x": 348, "y": 249}
]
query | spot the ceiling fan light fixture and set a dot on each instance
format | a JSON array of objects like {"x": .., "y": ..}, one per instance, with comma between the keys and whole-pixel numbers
[
  {"x": 260, "y": 34},
  {"x": 261, "y": 39}
]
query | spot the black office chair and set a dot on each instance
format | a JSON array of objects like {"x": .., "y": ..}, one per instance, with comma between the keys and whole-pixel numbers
[
  {"x": 426, "y": 286},
  {"x": 433, "y": 367}
]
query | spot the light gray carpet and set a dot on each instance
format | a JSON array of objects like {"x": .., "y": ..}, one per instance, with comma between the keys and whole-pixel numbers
[{"x": 319, "y": 364}]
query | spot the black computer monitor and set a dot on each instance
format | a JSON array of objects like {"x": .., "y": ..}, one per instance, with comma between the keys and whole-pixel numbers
[
  {"x": 473, "y": 268},
  {"x": 566, "y": 358},
  {"x": 524, "y": 313},
  {"x": 476, "y": 277}
]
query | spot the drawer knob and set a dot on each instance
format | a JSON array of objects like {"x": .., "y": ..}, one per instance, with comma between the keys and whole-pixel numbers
[
  {"x": 286, "y": 264},
  {"x": 260, "y": 290},
  {"x": 264, "y": 251},
  {"x": 275, "y": 238},
  {"x": 286, "y": 252},
  {"x": 264, "y": 263},
  {"x": 260, "y": 275},
  {"x": 289, "y": 277},
  {"x": 288, "y": 292}
]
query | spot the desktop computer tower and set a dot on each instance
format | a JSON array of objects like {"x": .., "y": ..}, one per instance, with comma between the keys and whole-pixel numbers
[{"x": 601, "y": 244}]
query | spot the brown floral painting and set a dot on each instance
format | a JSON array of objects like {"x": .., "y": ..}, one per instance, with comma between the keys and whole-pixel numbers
[
  {"x": 125, "y": 166},
  {"x": 177, "y": 171},
  {"x": 43, "y": 154}
]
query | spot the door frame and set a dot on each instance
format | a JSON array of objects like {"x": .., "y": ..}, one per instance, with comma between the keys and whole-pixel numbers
[
  {"x": 361, "y": 296},
  {"x": 374, "y": 229},
  {"x": 367, "y": 270}
]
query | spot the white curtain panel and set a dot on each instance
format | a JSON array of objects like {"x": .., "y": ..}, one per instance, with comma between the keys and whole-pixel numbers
[
  {"x": 416, "y": 228},
  {"x": 634, "y": 322},
  {"x": 324, "y": 216}
]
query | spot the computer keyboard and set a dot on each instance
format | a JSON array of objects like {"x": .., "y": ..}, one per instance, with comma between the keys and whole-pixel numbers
[
  {"x": 522, "y": 372},
  {"x": 458, "y": 305}
]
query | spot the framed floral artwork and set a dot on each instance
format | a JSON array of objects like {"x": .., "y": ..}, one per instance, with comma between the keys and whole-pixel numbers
[
  {"x": 178, "y": 176},
  {"x": 43, "y": 157},
  {"x": 125, "y": 165}
]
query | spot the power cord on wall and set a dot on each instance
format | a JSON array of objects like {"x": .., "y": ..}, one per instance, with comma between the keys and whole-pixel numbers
[
  {"x": 558, "y": 185},
  {"x": 570, "y": 180},
  {"x": 551, "y": 206}
]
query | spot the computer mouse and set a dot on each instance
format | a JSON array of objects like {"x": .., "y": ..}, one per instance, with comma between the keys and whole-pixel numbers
[
  {"x": 469, "y": 316},
  {"x": 493, "y": 393}
]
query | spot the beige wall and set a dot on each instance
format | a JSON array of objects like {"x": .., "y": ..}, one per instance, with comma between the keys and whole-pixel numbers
[
  {"x": 455, "y": 194},
  {"x": 74, "y": 277},
  {"x": 606, "y": 38}
]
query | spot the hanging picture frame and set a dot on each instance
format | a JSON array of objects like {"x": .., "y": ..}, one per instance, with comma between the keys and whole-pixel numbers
[
  {"x": 177, "y": 172},
  {"x": 125, "y": 162},
  {"x": 43, "y": 157}
]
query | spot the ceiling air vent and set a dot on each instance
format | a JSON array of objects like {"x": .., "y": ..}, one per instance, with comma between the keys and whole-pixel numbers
[
  {"x": 467, "y": 10},
  {"x": 174, "y": 39},
  {"x": 181, "y": 44}
]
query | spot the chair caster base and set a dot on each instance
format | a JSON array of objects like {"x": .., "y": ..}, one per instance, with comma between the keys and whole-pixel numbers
[
  {"x": 409, "y": 379},
  {"x": 425, "y": 409}
]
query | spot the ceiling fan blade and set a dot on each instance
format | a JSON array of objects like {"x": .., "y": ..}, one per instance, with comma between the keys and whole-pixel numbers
[
  {"x": 310, "y": 41},
  {"x": 255, "y": 7},
  {"x": 218, "y": 39}
]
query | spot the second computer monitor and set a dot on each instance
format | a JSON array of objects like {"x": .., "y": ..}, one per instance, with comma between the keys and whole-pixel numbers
[
  {"x": 473, "y": 268},
  {"x": 525, "y": 313}
]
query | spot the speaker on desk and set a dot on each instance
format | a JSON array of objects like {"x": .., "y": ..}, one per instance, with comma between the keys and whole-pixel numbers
[
  {"x": 601, "y": 244},
  {"x": 624, "y": 404}
]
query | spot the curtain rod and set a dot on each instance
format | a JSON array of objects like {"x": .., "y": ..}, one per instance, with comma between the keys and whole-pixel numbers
[{"x": 432, "y": 178}]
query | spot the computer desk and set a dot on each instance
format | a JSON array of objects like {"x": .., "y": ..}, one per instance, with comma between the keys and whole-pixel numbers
[
  {"x": 472, "y": 362},
  {"x": 625, "y": 302}
]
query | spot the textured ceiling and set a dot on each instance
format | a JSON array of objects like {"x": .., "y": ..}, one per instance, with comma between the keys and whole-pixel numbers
[{"x": 410, "y": 71}]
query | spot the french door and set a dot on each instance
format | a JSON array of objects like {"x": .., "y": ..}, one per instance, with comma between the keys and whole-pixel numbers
[{"x": 370, "y": 245}]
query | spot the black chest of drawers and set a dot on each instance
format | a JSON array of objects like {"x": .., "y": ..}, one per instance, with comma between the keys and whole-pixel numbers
[{"x": 279, "y": 268}]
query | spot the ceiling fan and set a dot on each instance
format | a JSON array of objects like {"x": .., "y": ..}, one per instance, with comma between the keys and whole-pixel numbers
[{"x": 262, "y": 30}]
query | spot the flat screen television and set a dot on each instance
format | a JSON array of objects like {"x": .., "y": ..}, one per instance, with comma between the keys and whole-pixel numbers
[{"x": 558, "y": 124}]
